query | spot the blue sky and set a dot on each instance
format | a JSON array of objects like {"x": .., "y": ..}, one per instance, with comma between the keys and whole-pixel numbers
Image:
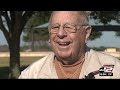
[{"x": 108, "y": 38}]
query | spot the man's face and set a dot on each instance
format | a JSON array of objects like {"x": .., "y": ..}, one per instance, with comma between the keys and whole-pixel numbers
[{"x": 67, "y": 45}]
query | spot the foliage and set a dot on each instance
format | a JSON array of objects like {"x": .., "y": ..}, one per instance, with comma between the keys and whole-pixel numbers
[
  {"x": 117, "y": 33},
  {"x": 37, "y": 19},
  {"x": 95, "y": 34},
  {"x": 36, "y": 35},
  {"x": 106, "y": 16}
]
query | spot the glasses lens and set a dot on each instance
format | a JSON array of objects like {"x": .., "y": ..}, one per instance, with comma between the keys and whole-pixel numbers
[
  {"x": 69, "y": 28},
  {"x": 54, "y": 28}
]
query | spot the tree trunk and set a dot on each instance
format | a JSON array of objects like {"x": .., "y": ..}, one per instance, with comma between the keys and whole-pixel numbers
[
  {"x": 14, "y": 46},
  {"x": 15, "y": 22},
  {"x": 33, "y": 42}
]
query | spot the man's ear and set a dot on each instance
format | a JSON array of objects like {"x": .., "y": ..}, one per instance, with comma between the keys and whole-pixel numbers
[{"x": 88, "y": 30}]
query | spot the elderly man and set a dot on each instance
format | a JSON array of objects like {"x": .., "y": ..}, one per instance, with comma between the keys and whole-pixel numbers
[{"x": 71, "y": 59}]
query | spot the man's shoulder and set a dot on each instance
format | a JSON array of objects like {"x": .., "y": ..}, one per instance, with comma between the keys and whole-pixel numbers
[
  {"x": 106, "y": 59},
  {"x": 36, "y": 66},
  {"x": 102, "y": 54},
  {"x": 42, "y": 60}
]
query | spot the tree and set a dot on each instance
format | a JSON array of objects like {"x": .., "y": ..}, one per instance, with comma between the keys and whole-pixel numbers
[
  {"x": 12, "y": 24},
  {"x": 104, "y": 17},
  {"x": 33, "y": 35},
  {"x": 95, "y": 34}
]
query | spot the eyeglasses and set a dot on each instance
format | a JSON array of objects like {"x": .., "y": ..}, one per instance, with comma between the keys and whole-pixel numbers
[{"x": 69, "y": 28}]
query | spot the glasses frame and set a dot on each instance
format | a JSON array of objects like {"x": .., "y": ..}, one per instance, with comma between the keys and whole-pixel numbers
[{"x": 57, "y": 25}]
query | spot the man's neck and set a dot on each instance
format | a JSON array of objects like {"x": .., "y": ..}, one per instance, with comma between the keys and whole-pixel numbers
[{"x": 71, "y": 61}]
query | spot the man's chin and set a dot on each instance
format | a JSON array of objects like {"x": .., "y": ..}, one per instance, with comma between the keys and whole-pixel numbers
[{"x": 64, "y": 56}]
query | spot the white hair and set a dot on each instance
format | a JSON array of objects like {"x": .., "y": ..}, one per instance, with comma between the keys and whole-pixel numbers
[{"x": 82, "y": 19}]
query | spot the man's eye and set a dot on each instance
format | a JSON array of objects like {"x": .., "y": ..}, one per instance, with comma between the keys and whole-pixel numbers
[
  {"x": 54, "y": 27},
  {"x": 69, "y": 27}
]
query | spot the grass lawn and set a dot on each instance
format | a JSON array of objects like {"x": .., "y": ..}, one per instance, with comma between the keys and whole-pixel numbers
[{"x": 4, "y": 65}]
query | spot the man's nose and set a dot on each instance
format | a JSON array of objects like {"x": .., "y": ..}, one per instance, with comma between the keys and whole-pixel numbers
[{"x": 61, "y": 33}]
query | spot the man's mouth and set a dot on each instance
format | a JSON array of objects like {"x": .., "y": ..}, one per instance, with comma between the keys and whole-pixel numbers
[{"x": 63, "y": 43}]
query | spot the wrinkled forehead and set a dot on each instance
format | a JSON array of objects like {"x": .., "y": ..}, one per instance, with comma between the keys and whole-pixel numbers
[{"x": 65, "y": 16}]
